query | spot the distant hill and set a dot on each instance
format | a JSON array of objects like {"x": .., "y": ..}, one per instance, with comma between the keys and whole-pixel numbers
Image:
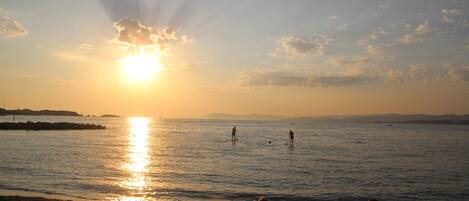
[
  {"x": 441, "y": 121},
  {"x": 389, "y": 118},
  {"x": 377, "y": 118},
  {"x": 110, "y": 115},
  {"x": 38, "y": 112},
  {"x": 243, "y": 116}
]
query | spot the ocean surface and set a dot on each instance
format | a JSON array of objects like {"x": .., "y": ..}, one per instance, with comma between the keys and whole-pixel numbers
[{"x": 190, "y": 159}]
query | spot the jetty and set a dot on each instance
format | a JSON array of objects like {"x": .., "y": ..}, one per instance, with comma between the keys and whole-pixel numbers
[{"x": 29, "y": 125}]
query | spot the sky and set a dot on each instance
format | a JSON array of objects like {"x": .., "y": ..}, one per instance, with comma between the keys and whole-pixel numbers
[{"x": 289, "y": 58}]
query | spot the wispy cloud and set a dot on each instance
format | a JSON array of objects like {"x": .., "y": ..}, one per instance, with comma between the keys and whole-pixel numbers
[
  {"x": 87, "y": 46},
  {"x": 375, "y": 35},
  {"x": 450, "y": 15},
  {"x": 340, "y": 61},
  {"x": 427, "y": 73},
  {"x": 372, "y": 49},
  {"x": 275, "y": 78},
  {"x": 459, "y": 74},
  {"x": 418, "y": 34},
  {"x": 10, "y": 27},
  {"x": 295, "y": 46}
]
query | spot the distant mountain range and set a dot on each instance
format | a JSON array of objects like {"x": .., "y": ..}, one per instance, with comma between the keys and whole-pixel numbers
[
  {"x": 389, "y": 118},
  {"x": 38, "y": 112},
  {"x": 243, "y": 116},
  {"x": 377, "y": 118}
]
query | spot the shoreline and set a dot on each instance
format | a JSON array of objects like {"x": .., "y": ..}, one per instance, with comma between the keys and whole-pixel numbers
[{"x": 21, "y": 195}]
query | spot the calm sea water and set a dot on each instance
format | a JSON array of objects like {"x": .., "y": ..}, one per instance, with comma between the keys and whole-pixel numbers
[{"x": 145, "y": 159}]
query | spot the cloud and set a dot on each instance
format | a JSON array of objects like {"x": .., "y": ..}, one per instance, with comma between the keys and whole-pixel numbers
[
  {"x": 459, "y": 74},
  {"x": 135, "y": 34},
  {"x": 294, "y": 46},
  {"x": 420, "y": 73},
  {"x": 337, "y": 80},
  {"x": 378, "y": 48},
  {"x": 271, "y": 78},
  {"x": 375, "y": 35},
  {"x": 396, "y": 75},
  {"x": 339, "y": 61},
  {"x": 424, "y": 73},
  {"x": 87, "y": 46},
  {"x": 132, "y": 32},
  {"x": 417, "y": 35},
  {"x": 10, "y": 27},
  {"x": 450, "y": 15}
]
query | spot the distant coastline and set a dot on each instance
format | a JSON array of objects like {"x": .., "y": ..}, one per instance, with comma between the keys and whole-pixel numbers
[
  {"x": 4, "y": 112},
  {"x": 448, "y": 119},
  {"x": 47, "y": 112},
  {"x": 110, "y": 115},
  {"x": 441, "y": 121}
]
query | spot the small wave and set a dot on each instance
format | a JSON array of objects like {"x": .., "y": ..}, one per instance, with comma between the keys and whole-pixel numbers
[
  {"x": 41, "y": 191},
  {"x": 182, "y": 194}
]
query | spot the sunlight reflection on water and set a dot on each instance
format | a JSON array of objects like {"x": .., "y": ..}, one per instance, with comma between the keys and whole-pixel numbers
[{"x": 138, "y": 159}]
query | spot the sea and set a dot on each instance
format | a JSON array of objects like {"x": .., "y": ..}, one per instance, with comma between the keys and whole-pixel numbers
[{"x": 141, "y": 158}]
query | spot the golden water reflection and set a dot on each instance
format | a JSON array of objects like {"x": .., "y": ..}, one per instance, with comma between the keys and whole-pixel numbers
[{"x": 138, "y": 159}]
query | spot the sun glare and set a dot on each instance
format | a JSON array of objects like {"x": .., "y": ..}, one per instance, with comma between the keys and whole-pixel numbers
[{"x": 142, "y": 66}]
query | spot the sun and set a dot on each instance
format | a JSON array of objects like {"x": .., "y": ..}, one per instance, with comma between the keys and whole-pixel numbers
[{"x": 142, "y": 66}]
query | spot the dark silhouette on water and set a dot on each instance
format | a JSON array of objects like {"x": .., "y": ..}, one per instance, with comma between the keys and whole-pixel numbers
[
  {"x": 48, "y": 126},
  {"x": 111, "y": 115},
  {"x": 233, "y": 134},
  {"x": 292, "y": 138}
]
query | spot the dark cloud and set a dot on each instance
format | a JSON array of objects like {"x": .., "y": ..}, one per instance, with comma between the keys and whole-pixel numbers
[
  {"x": 10, "y": 27},
  {"x": 133, "y": 32},
  {"x": 136, "y": 34},
  {"x": 269, "y": 78}
]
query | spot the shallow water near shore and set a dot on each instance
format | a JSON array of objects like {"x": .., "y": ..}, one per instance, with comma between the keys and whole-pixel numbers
[{"x": 175, "y": 159}]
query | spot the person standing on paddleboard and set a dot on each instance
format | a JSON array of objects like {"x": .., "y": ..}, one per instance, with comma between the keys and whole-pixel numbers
[
  {"x": 292, "y": 137},
  {"x": 233, "y": 134}
]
